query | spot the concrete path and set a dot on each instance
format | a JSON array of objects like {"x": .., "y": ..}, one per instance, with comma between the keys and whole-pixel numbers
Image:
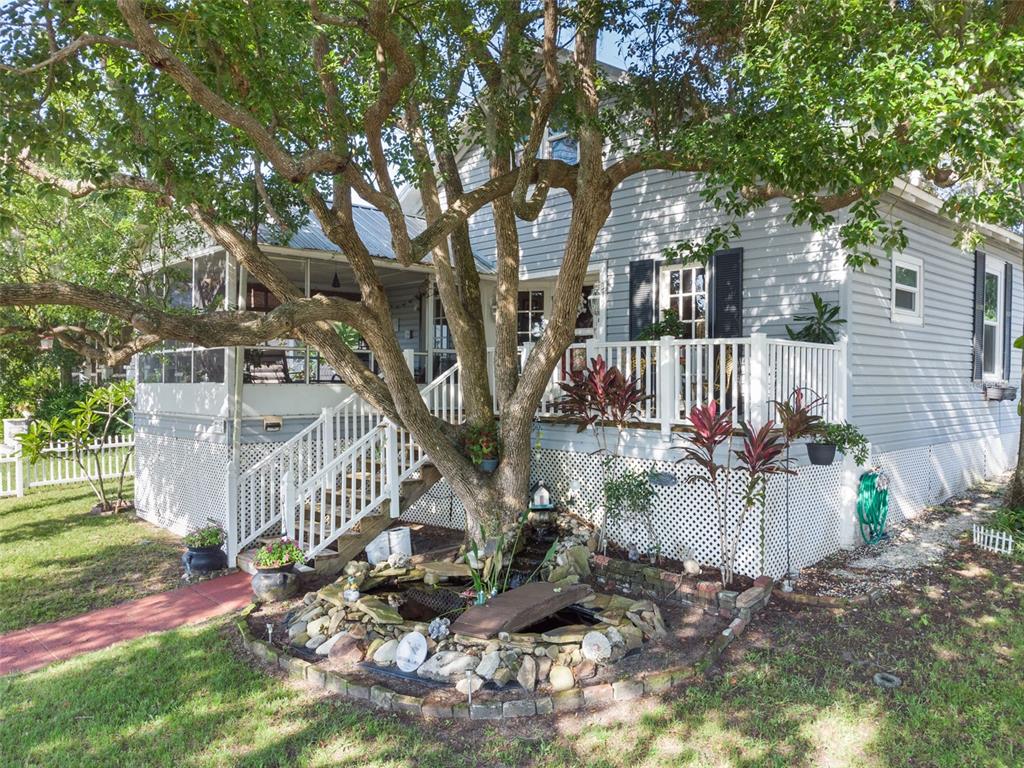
[{"x": 34, "y": 647}]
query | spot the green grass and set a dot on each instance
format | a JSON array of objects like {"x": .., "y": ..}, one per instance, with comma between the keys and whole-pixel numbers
[
  {"x": 796, "y": 691},
  {"x": 56, "y": 560}
]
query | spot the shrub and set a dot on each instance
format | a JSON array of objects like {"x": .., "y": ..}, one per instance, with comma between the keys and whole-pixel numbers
[
  {"x": 278, "y": 554},
  {"x": 210, "y": 536},
  {"x": 847, "y": 439},
  {"x": 1009, "y": 520}
]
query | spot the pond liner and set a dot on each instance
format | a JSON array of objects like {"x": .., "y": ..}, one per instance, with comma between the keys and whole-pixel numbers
[{"x": 396, "y": 673}]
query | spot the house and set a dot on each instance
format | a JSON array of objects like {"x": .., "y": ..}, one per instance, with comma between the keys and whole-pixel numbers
[{"x": 270, "y": 439}]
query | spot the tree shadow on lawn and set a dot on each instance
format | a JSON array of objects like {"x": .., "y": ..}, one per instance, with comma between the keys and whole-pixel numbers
[
  {"x": 183, "y": 698},
  {"x": 67, "y": 586}
]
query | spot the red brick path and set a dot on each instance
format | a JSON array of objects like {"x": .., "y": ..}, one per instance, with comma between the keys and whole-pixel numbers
[{"x": 34, "y": 647}]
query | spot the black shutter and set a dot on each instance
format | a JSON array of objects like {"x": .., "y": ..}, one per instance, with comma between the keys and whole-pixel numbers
[
  {"x": 726, "y": 291},
  {"x": 641, "y": 296},
  {"x": 1007, "y": 318},
  {"x": 979, "y": 313}
]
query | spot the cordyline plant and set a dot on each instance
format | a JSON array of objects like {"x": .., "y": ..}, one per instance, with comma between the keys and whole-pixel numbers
[
  {"x": 712, "y": 429},
  {"x": 602, "y": 396},
  {"x": 762, "y": 455},
  {"x": 99, "y": 416}
]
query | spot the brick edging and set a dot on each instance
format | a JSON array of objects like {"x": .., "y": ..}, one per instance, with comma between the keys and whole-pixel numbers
[{"x": 384, "y": 698}]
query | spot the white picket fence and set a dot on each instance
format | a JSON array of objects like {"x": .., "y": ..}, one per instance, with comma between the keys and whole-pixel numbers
[
  {"x": 992, "y": 540},
  {"x": 58, "y": 466}
]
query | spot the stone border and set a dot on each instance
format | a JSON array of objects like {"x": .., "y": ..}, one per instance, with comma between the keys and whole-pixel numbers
[{"x": 384, "y": 698}]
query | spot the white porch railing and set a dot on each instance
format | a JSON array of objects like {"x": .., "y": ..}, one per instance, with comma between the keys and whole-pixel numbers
[
  {"x": 58, "y": 466},
  {"x": 745, "y": 374},
  {"x": 337, "y": 470},
  {"x": 365, "y": 476}
]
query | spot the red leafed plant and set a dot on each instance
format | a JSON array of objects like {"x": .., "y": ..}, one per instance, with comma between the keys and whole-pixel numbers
[
  {"x": 796, "y": 416},
  {"x": 711, "y": 429},
  {"x": 602, "y": 395},
  {"x": 762, "y": 455}
]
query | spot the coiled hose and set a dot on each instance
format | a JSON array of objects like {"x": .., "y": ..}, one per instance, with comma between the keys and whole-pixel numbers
[{"x": 872, "y": 506}]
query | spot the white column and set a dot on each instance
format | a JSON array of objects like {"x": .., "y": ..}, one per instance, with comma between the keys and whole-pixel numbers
[
  {"x": 327, "y": 415},
  {"x": 394, "y": 486},
  {"x": 667, "y": 402},
  {"x": 849, "y": 536},
  {"x": 840, "y": 409},
  {"x": 19, "y": 473},
  {"x": 288, "y": 505},
  {"x": 232, "y": 512},
  {"x": 757, "y": 401}
]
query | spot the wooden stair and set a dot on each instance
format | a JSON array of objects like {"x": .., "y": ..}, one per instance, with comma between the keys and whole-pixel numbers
[{"x": 348, "y": 546}]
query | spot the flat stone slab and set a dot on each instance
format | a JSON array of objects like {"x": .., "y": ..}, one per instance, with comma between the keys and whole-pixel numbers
[
  {"x": 517, "y": 608},
  {"x": 380, "y": 612},
  {"x": 446, "y": 570}
]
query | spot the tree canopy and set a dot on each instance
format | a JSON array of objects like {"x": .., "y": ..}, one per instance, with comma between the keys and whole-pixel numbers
[{"x": 246, "y": 111}]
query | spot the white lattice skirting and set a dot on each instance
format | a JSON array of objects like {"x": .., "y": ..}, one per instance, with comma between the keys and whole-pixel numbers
[
  {"x": 683, "y": 514},
  {"x": 684, "y": 517},
  {"x": 920, "y": 477},
  {"x": 180, "y": 484}
]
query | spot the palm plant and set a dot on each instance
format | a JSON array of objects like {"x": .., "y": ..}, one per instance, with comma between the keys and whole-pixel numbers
[{"x": 820, "y": 327}]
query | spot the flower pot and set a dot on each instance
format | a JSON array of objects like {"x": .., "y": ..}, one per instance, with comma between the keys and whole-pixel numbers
[
  {"x": 488, "y": 465},
  {"x": 273, "y": 584},
  {"x": 821, "y": 454},
  {"x": 204, "y": 559}
]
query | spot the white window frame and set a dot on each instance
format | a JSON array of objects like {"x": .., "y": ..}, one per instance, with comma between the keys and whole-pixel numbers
[
  {"x": 552, "y": 137},
  {"x": 997, "y": 270},
  {"x": 665, "y": 296},
  {"x": 900, "y": 315}
]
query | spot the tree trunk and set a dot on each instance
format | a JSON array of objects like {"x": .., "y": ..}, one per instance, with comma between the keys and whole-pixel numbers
[{"x": 1014, "y": 495}]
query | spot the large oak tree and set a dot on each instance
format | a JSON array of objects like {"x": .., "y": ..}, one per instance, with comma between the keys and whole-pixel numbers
[{"x": 208, "y": 106}]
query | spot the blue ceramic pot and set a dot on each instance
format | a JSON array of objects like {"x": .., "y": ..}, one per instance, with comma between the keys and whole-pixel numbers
[{"x": 204, "y": 559}]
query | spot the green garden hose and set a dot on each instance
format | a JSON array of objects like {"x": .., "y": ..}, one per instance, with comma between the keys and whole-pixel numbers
[{"x": 872, "y": 506}]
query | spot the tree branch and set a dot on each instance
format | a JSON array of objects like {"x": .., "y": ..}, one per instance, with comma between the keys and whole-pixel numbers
[{"x": 69, "y": 50}]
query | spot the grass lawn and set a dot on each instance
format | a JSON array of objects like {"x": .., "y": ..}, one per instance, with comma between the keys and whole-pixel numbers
[
  {"x": 57, "y": 560},
  {"x": 795, "y": 691}
]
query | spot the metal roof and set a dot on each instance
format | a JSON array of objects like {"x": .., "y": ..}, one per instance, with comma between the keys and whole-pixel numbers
[{"x": 373, "y": 229}]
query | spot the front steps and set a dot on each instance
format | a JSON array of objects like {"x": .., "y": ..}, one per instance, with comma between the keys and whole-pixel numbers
[{"x": 348, "y": 546}]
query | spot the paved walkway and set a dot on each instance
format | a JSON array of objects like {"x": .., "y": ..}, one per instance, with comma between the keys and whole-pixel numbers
[{"x": 34, "y": 647}]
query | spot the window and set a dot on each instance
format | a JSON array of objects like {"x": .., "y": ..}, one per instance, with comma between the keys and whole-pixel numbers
[
  {"x": 562, "y": 146},
  {"x": 585, "y": 317},
  {"x": 530, "y": 316},
  {"x": 683, "y": 292},
  {"x": 907, "y": 290},
  {"x": 991, "y": 342}
]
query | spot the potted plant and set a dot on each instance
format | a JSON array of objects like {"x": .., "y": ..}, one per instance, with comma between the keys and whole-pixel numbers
[
  {"x": 205, "y": 551},
  {"x": 845, "y": 438},
  {"x": 275, "y": 578},
  {"x": 481, "y": 444}
]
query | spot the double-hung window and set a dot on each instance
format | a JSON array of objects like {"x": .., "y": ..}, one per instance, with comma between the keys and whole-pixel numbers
[
  {"x": 907, "y": 289},
  {"x": 992, "y": 317},
  {"x": 529, "y": 316},
  {"x": 683, "y": 291}
]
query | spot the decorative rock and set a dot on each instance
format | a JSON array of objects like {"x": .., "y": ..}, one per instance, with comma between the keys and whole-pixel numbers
[
  {"x": 520, "y": 708},
  {"x": 543, "y": 668},
  {"x": 439, "y": 628},
  {"x": 468, "y": 684},
  {"x": 318, "y": 626},
  {"x": 411, "y": 652},
  {"x": 596, "y": 647},
  {"x": 300, "y": 639},
  {"x": 561, "y": 678},
  {"x": 488, "y": 665},
  {"x": 378, "y": 611},
  {"x": 623, "y": 690},
  {"x": 325, "y": 647},
  {"x": 358, "y": 632},
  {"x": 527, "y": 676},
  {"x": 585, "y": 670},
  {"x": 345, "y": 649},
  {"x": 385, "y": 653},
  {"x": 503, "y": 676},
  {"x": 441, "y": 666},
  {"x": 296, "y": 629},
  {"x": 572, "y": 633},
  {"x": 445, "y": 570},
  {"x": 691, "y": 567},
  {"x": 315, "y": 642}
]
